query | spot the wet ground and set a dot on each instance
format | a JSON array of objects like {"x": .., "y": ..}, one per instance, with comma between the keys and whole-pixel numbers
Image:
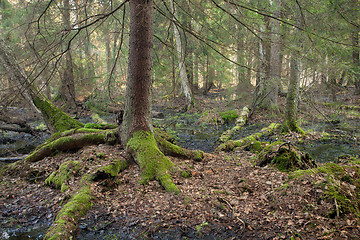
[{"x": 341, "y": 137}]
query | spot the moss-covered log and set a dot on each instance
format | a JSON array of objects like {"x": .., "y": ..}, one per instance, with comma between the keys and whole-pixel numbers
[
  {"x": 171, "y": 149},
  {"x": 153, "y": 163},
  {"x": 240, "y": 122},
  {"x": 230, "y": 145},
  {"x": 55, "y": 119}
]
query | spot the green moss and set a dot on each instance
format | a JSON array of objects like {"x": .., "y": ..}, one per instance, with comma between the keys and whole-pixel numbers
[
  {"x": 65, "y": 143},
  {"x": 292, "y": 127},
  {"x": 185, "y": 174},
  {"x": 100, "y": 126},
  {"x": 67, "y": 218},
  {"x": 285, "y": 157},
  {"x": 341, "y": 183},
  {"x": 54, "y": 117},
  {"x": 230, "y": 145},
  {"x": 229, "y": 116},
  {"x": 63, "y": 174},
  {"x": 64, "y": 187},
  {"x": 111, "y": 170},
  {"x": 255, "y": 147},
  {"x": 171, "y": 149},
  {"x": 153, "y": 163}
]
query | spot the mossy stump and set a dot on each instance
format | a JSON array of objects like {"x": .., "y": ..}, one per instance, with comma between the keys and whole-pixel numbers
[{"x": 285, "y": 157}]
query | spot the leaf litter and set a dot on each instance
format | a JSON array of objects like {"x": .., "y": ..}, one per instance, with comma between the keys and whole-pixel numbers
[{"x": 223, "y": 197}]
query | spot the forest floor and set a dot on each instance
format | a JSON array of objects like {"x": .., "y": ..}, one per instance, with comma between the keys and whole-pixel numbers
[{"x": 223, "y": 197}]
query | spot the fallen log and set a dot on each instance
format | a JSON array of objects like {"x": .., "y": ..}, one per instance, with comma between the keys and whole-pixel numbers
[
  {"x": 12, "y": 159},
  {"x": 230, "y": 145},
  {"x": 240, "y": 122}
]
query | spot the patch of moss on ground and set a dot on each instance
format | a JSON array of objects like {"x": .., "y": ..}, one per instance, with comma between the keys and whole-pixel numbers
[
  {"x": 285, "y": 157},
  {"x": 229, "y": 116},
  {"x": 340, "y": 184}
]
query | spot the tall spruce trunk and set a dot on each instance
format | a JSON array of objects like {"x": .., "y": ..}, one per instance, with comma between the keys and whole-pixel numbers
[
  {"x": 137, "y": 115},
  {"x": 136, "y": 131},
  {"x": 290, "y": 121}
]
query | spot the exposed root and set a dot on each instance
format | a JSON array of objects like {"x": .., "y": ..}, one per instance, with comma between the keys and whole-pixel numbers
[
  {"x": 66, "y": 143},
  {"x": 153, "y": 163},
  {"x": 171, "y": 149}
]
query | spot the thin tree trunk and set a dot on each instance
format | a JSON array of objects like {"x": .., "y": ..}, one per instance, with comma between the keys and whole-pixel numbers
[
  {"x": 290, "y": 121},
  {"x": 181, "y": 58},
  {"x": 263, "y": 64},
  {"x": 67, "y": 90},
  {"x": 272, "y": 85}
]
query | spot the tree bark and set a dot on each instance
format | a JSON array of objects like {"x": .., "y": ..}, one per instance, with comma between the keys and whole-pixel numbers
[
  {"x": 293, "y": 89},
  {"x": 355, "y": 55},
  {"x": 137, "y": 115}
]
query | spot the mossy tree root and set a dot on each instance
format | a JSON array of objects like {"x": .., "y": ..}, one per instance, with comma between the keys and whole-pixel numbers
[
  {"x": 290, "y": 126},
  {"x": 172, "y": 149},
  {"x": 153, "y": 163},
  {"x": 110, "y": 171},
  {"x": 66, "y": 143},
  {"x": 230, "y": 145},
  {"x": 65, "y": 223}
]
